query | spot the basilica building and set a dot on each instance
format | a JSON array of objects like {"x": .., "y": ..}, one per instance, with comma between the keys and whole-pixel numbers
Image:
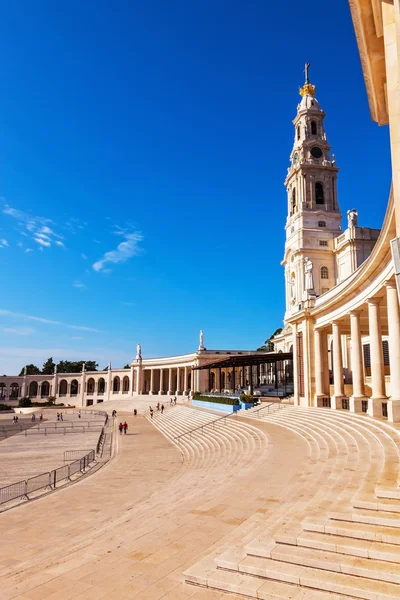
[
  {"x": 340, "y": 345},
  {"x": 342, "y": 318}
]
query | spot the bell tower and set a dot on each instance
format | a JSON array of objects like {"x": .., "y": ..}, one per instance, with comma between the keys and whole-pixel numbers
[{"x": 314, "y": 218}]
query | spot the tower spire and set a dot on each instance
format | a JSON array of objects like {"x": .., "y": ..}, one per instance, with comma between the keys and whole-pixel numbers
[{"x": 308, "y": 88}]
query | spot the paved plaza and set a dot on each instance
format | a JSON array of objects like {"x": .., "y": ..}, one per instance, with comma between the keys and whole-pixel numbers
[
  {"x": 280, "y": 502},
  {"x": 132, "y": 529},
  {"x": 42, "y": 448}
]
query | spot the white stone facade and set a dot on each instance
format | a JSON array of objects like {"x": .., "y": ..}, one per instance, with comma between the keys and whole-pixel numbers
[
  {"x": 345, "y": 331},
  {"x": 172, "y": 375},
  {"x": 313, "y": 228}
]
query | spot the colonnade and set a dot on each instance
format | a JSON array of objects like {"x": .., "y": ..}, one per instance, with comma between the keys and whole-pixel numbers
[
  {"x": 169, "y": 380},
  {"x": 378, "y": 403}
]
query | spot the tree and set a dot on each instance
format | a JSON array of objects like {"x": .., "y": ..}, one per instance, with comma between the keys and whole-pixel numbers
[
  {"x": 30, "y": 370},
  {"x": 68, "y": 366},
  {"x": 128, "y": 366},
  {"x": 48, "y": 366},
  {"x": 268, "y": 344}
]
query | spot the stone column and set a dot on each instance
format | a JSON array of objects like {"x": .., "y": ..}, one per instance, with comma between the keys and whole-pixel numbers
[
  {"x": 23, "y": 388},
  {"x": 151, "y": 391},
  {"x": 138, "y": 380},
  {"x": 377, "y": 370},
  {"x": 83, "y": 385},
  {"x": 320, "y": 392},
  {"x": 296, "y": 398},
  {"x": 131, "y": 382},
  {"x": 170, "y": 382},
  {"x": 337, "y": 362},
  {"x": 393, "y": 311},
  {"x": 55, "y": 384},
  {"x": 161, "y": 389},
  {"x": 185, "y": 383},
  {"x": 109, "y": 375},
  {"x": 177, "y": 381},
  {"x": 391, "y": 38},
  {"x": 358, "y": 394}
]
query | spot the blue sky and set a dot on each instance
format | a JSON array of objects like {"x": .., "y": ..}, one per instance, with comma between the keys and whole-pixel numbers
[{"x": 143, "y": 149}]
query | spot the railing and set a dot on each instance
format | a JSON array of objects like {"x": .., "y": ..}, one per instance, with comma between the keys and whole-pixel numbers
[
  {"x": 100, "y": 443},
  {"x": 202, "y": 427},
  {"x": 268, "y": 407},
  {"x": 49, "y": 479}
]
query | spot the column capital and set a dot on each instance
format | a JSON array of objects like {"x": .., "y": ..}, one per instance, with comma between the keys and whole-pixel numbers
[
  {"x": 355, "y": 312},
  {"x": 336, "y": 322},
  {"x": 374, "y": 301},
  {"x": 390, "y": 283}
]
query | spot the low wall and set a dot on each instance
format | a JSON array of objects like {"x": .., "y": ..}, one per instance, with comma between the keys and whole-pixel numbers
[{"x": 216, "y": 406}]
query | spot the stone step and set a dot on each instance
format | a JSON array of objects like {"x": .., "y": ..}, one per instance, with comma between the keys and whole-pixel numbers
[
  {"x": 322, "y": 580},
  {"x": 387, "y": 492},
  {"x": 205, "y": 576},
  {"x": 339, "y": 563},
  {"x": 362, "y": 531},
  {"x": 371, "y": 517},
  {"x": 371, "y": 503},
  {"x": 351, "y": 546}
]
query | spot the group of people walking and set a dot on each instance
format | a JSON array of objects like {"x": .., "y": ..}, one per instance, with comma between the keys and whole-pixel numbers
[
  {"x": 161, "y": 407},
  {"x": 123, "y": 427}
]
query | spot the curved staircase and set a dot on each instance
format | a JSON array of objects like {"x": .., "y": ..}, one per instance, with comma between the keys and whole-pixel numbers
[
  {"x": 345, "y": 541},
  {"x": 205, "y": 439}
]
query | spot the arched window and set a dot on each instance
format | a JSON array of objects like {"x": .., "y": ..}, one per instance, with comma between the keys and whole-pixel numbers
[
  {"x": 101, "y": 386},
  {"x": 33, "y": 389},
  {"x": 90, "y": 386},
  {"x": 116, "y": 384},
  {"x": 45, "y": 389},
  {"x": 298, "y": 132},
  {"x": 319, "y": 193},
  {"x": 321, "y": 224},
  {"x": 63, "y": 387},
  {"x": 313, "y": 128},
  {"x": 293, "y": 200},
  {"x": 324, "y": 273},
  {"x": 125, "y": 384},
  {"x": 14, "y": 390},
  {"x": 74, "y": 387}
]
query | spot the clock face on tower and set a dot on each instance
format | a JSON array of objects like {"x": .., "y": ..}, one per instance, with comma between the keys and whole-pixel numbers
[{"x": 316, "y": 152}]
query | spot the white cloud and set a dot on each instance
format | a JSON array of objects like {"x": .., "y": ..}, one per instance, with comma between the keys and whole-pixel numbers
[
  {"x": 10, "y": 313},
  {"x": 124, "y": 250},
  {"x": 28, "y": 250},
  {"x": 3, "y": 243},
  {"x": 42, "y": 242},
  {"x": 73, "y": 225},
  {"x": 78, "y": 284},
  {"x": 33, "y": 226},
  {"x": 20, "y": 244},
  {"x": 58, "y": 243},
  {"x": 83, "y": 256},
  {"x": 19, "y": 330}
]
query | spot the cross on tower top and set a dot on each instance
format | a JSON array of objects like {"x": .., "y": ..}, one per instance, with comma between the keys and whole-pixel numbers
[{"x": 306, "y": 68}]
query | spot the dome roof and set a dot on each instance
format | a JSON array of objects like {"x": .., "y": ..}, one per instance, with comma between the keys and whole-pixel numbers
[{"x": 309, "y": 102}]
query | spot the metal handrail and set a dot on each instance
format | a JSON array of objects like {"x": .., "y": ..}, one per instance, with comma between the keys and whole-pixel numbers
[
  {"x": 268, "y": 406},
  {"x": 203, "y": 426}
]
